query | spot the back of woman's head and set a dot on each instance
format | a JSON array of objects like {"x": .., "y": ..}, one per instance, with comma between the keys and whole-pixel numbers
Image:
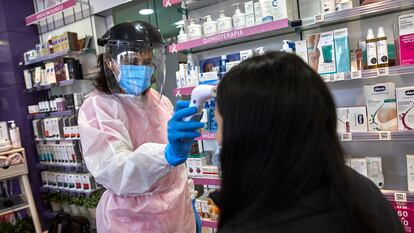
[{"x": 279, "y": 138}]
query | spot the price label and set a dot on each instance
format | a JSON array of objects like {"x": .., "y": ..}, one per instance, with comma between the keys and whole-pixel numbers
[
  {"x": 339, "y": 77},
  {"x": 346, "y": 137},
  {"x": 319, "y": 18},
  {"x": 356, "y": 74},
  {"x": 383, "y": 71},
  {"x": 326, "y": 77},
  {"x": 385, "y": 135},
  {"x": 400, "y": 197}
]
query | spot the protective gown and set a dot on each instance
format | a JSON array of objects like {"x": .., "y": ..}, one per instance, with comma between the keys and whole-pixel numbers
[{"x": 123, "y": 139}]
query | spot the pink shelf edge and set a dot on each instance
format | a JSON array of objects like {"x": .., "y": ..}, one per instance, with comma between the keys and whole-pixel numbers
[
  {"x": 183, "y": 91},
  {"x": 166, "y": 3},
  {"x": 206, "y": 181},
  {"x": 207, "y": 137},
  {"x": 231, "y": 35},
  {"x": 209, "y": 223}
]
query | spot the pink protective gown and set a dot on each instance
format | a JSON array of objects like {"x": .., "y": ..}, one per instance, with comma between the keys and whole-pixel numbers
[{"x": 123, "y": 139}]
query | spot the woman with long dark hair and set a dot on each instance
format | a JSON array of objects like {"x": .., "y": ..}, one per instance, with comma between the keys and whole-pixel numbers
[{"x": 282, "y": 164}]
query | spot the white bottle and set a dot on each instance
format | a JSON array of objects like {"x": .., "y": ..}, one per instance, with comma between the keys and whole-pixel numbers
[
  {"x": 239, "y": 18},
  {"x": 279, "y": 10},
  {"x": 224, "y": 23},
  {"x": 328, "y": 6},
  {"x": 14, "y": 135},
  {"x": 257, "y": 13},
  {"x": 266, "y": 10},
  {"x": 209, "y": 26},
  {"x": 182, "y": 36},
  {"x": 194, "y": 30},
  {"x": 371, "y": 44},
  {"x": 285, "y": 47},
  {"x": 382, "y": 48}
]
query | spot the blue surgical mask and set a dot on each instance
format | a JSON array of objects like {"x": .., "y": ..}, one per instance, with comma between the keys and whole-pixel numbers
[{"x": 134, "y": 79}]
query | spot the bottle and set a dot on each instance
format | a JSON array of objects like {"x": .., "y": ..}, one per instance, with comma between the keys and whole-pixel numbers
[
  {"x": 285, "y": 47},
  {"x": 222, "y": 67},
  {"x": 14, "y": 135},
  {"x": 209, "y": 26},
  {"x": 212, "y": 118},
  {"x": 371, "y": 50},
  {"x": 194, "y": 30},
  {"x": 266, "y": 10},
  {"x": 182, "y": 36},
  {"x": 47, "y": 103},
  {"x": 239, "y": 18},
  {"x": 382, "y": 48},
  {"x": 224, "y": 23}
]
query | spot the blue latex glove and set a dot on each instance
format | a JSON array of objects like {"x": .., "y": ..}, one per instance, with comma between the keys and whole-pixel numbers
[
  {"x": 197, "y": 219},
  {"x": 181, "y": 134}
]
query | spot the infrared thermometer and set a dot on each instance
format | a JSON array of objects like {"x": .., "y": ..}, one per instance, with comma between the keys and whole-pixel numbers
[{"x": 199, "y": 96}]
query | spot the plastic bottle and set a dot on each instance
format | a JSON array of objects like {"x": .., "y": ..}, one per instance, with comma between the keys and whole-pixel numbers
[
  {"x": 14, "y": 135},
  {"x": 182, "y": 36},
  {"x": 382, "y": 48},
  {"x": 371, "y": 50},
  {"x": 209, "y": 26},
  {"x": 239, "y": 18},
  {"x": 194, "y": 30},
  {"x": 285, "y": 47},
  {"x": 213, "y": 122},
  {"x": 224, "y": 23},
  {"x": 223, "y": 66}
]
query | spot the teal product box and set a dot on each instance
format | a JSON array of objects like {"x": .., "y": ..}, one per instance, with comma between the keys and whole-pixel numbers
[
  {"x": 343, "y": 61},
  {"x": 327, "y": 59}
]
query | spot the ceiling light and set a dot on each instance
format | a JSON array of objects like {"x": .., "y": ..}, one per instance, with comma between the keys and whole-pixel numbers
[{"x": 146, "y": 11}]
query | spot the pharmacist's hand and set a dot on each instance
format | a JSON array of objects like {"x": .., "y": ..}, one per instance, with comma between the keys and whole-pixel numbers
[{"x": 181, "y": 133}]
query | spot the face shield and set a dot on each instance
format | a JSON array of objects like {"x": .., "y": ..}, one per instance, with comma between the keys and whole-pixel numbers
[{"x": 133, "y": 69}]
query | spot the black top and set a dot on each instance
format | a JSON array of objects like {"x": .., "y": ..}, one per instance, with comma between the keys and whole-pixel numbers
[{"x": 307, "y": 216}]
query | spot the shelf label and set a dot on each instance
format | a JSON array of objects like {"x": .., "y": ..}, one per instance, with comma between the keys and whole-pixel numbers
[
  {"x": 356, "y": 74},
  {"x": 318, "y": 18},
  {"x": 385, "y": 135},
  {"x": 339, "y": 76},
  {"x": 346, "y": 137},
  {"x": 400, "y": 197},
  {"x": 385, "y": 71},
  {"x": 326, "y": 77},
  {"x": 31, "y": 19}
]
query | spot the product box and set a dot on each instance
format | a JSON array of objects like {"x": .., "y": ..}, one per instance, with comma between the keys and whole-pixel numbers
[
  {"x": 249, "y": 11},
  {"x": 209, "y": 78},
  {"x": 71, "y": 181},
  {"x": 302, "y": 50},
  {"x": 321, "y": 52},
  {"x": 406, "y": 29},
  {"x": 352, "y": 119},
  {"x": 405, "y": 108},
  {"x": 195, "y": 164},
  {"x": 210, "y": 171},
  {"x": 245, "y": 54},
  {"x": 381, "y": 107},
  {"x": 360, "y": 166},
  {"x": 374, "y": 171},
  {"x": 212, "y": 64},
  {"x": 78, "y": 181},
  {"x": 279, "y": 9},
  {"x": 50, "y": 73},
  {"x": 44, "y": 175},
  {"x": 343, "y": 63},
  {"x": 257, "y": 13},
  {"x": 410, "y": 172},
  {"x": 88, "y": 182}
]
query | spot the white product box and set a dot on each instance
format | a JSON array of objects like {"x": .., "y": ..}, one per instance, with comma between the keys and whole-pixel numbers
[
  {"x": 381, "y": 107},
  {"x": 88, "y": 182},
  {"x": 208, "y": 78},
  {"x": 78, "y": 181},
  {"x": 71, "y": 181},
  {"x": 231, "y": 64},
  {"x": 50, "y": 73},
  {"x": 410, "y": 172},
  {"x": 249, "y": 11},
  {"x": 195, "y": 165},
  {"x": 245, "y": 54},
  {"x": 360, "y": 165},
  {"x": 374, "y": 168},
  {"x": 33, "y": 109},
  {"x": 405, "y": 108},
  {"x": 302, "y": 50},
  {"x": 352, "y": 119},
  {"x": 257, "y": 13}
]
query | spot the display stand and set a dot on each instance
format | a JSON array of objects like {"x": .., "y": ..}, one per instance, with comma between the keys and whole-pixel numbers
[{"x": 20, "y": 171}]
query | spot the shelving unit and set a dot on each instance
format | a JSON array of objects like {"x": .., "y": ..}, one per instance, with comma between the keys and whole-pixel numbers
[
  {"x": 68, "y": 192},
  {"x": 206, "y": 181},
  {"x": 65, "y": 53},
  {"x": 377, "y": 136},
  {"x": 208, "y": 223},
  {"x": 62, "y": 167},
  {"x": 48, "y": 87},
  {"x": 51, "y": 114},
  {"x": 56, "y": 139}
]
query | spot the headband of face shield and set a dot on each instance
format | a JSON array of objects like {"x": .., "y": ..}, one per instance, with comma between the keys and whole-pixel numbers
[{"x": 133, "y": 69}]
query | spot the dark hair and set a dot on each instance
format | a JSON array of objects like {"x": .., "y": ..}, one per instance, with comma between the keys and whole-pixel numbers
[
  {"x": 280, "y": 142},
  {"x": 100, "y": 83}
]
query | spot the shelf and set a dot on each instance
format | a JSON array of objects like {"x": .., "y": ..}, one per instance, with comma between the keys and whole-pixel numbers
[
  {"x": 186, "y": 91},
  {"x": 51, "y": 114},
  {"x": 66, "y": 191},
  {"x": 58, "y": 55},
  {"x": 62, "y": 167},
  {"x": 235, "y": 36},
  {"x": 169, "y": 3},
  {"x": 206, "y": 181},
  {"x": 360, "y": 12},
  {"x": 14, "y": 209},
  {"x": 377, "y": 136},
  {"x": 209, "y": 223},
  {"x": 207, "y": 136},
  {"x": 56, "y": 139},
  {"x": 9, "y": 152},
  {"x": 398, "y": 195},
  {"x": 50, "y": 86}
]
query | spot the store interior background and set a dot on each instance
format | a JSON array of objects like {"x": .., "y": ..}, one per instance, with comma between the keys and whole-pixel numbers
[{"x": 97, "y": 16}]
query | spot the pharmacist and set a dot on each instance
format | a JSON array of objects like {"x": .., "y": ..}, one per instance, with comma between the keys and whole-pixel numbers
[{"x": 125, "y": 141}]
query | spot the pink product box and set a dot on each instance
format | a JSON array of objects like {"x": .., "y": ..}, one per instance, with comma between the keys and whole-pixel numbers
[{"x": 406, "y": 29}]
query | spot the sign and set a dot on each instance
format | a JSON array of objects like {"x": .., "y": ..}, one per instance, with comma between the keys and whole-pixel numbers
[
  {"x": 404, "y": 210},
  {"x": 168, "y": 3},
  {"x": 31, "y": 19}
]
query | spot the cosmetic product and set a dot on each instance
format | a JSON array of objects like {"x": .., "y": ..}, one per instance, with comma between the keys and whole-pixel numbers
[
  {"x": 14, "y": 135},
  {"x": 302, "y": 50},
  {"x": 328, "y": 6},
  {"x": 224, "y": 23},
  {"x": 286, "y": 47},
  {"x": 360, "y": 166},
  {"x": 209, "y": 78},
  {"x": 353, "y": 119},
  {"x": 212, "y": 116},
  {"x": 239, "y": 18},
  {"x": 410, "y": 172},
  {"x": 209, "y": 26},
  {"x": 4, "y": 137},
  {"x": 406, "y": 35},
  {"x": 371, "y": 50},
  {"x": 362, "y": 45},
  {"x": 249, "y": 11},
  {"x": 37, "y": 129},
  {"x": 222, "y": 67},
  {"x": 78, "y": 100},
  {"x": 381, "y": 107},
  {"x": 266, "y": 10},
  {"x": 78, "y": 181},
  {"x": 195, "y": 163},
  {"x": 182, "y": 36},
  {"x": 374, "y": 171},
  {"x": 257, "y": 13},
  {"x": 342, "y": 50},
  {"x": 27, "y": 79},
  {"x": 259, "y": 51},
  {"x": 327, "y": 63},
  {"x": 356, "y": 60},
  {"x": 405, "y": 108},
  {"x": 33, "y": 109},
  {"x": 382, "y": 48},
  {"x": 279, "y": 9},
  {"x": 88, "y": 182},
  {"x": 194, "y": 30},
  {"x": 245, "y": 54},
  {"x": 343, "y": 5}
]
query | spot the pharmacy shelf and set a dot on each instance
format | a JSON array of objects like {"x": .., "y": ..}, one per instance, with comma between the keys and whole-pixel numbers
[
  {"x": 51, "y": 114},
  {"x": 207, "y": 136},
  {"x": 206, "y": 181},
  {"x": 68, "y": 192},
  {"x": 235, "y": 36},
  {"x": 56, "y": 139},
  {"x": 50, "y": 86},
  {"x": 356, "y": 13},
  {"x": 19, "y": 204},
  {"x": 62, "y": 167},
  {"x": 377, "y": 136},
  {"x": 209, "y": 223},
  {"x": 58, "y": 55}
]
